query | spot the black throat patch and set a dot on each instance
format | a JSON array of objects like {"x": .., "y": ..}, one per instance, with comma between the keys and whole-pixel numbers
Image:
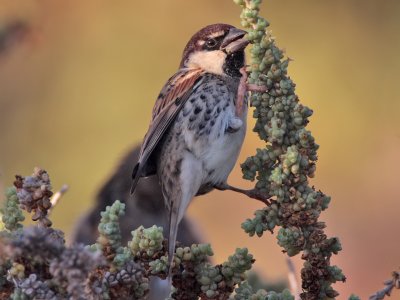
[{"x": 233, "y": 63}]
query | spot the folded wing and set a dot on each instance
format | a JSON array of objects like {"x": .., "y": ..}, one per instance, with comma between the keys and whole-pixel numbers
[{"x": 172, "y": 98}]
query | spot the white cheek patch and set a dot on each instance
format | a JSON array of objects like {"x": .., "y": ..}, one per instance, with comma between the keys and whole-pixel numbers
[{"x": 209, "y": 61}]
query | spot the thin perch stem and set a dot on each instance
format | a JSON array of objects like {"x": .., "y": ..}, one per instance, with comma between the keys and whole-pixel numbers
[{"x": 254, "y": 193}]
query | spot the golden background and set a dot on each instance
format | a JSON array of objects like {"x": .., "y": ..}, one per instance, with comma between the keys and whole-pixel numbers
[{"x": 77, "y": 93}]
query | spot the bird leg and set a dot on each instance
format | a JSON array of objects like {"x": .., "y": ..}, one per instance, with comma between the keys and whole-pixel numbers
[
  {"x": 243, "y": 88},
  {"x": 253, "y": 193},
  {"x": 241, "y": 92}
]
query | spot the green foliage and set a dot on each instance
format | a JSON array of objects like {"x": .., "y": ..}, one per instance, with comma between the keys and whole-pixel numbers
[
  {"x": 209, "y": 277},
  {"x": 237, "y": 265},
  {"x": 109, "y": 240},
  {"x": 159, "y": 265},
  {"x": 245, "y": 291},
  {"x": 11, "y": 213},
  {"x": 283, "y": 168},
  {"x": 196, "y": 253},
  {"x": 110, "y": 234},
  {"x": 291, "y": 239},
  {"x": 35, "y": 263}
]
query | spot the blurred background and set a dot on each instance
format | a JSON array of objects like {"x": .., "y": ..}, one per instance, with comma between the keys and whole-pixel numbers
[{"x": 78, "y": 80}]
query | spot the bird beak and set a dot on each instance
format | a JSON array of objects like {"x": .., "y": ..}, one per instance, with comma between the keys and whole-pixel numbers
[{"x": 235, "y": 41}]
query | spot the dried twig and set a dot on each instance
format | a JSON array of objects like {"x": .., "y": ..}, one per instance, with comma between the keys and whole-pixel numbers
[
  {"x": 389, "y": 285},
  {"x": 293, "y": 283},
  {"x": 56, "y": 197}
]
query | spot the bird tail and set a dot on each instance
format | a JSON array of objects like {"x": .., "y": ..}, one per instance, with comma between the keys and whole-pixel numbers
[
  {"x": 135, "y": 177},
  {"x": 172, "y": 234}
]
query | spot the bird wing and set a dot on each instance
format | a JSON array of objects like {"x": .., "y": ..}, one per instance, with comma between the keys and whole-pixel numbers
[{"x": 172, "y": 98}]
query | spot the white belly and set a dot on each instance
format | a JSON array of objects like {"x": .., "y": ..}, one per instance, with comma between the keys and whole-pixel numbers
[{"x": 219, "y": 152}]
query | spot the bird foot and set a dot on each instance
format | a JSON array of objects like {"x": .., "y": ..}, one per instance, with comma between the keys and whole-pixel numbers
[
  {"x": 245, "y": 87},
  {"x": 256, "y": 88},
  {"x": 253, "y": 193}
]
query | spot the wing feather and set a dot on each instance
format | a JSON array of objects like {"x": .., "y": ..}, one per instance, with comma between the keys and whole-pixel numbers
[{"x": 170, "y": 101}]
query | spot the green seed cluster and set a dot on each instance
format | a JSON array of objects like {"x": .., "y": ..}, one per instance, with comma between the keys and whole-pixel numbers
[
  {"x": 109, "y": 240},
  {"x": 265, "y": 219},
  {"x": 282, "y": 169},
  {"x": 237, "y": 264},
  {"x": 158, "y": 266},
  {"x": 216, "y": 282},
  {"x": 245, "y": 291},
  {"x": 195, "y": 253},
  {"x": 291, "y": 239},
  {"x": 11, "y": 213},
  {"x": 110, "y": 234},
  {"x": 199, "y": 277},
  {"x": 147, "y": 240},
  {"x": 210, "y": 278}
]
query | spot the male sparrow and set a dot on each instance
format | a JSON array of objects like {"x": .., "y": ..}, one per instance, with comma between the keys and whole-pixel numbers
[{"x": 196, "y": 132}]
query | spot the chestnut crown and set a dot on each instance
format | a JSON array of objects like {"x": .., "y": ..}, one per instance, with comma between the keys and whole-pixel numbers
[{"x": 217, "y": 49}]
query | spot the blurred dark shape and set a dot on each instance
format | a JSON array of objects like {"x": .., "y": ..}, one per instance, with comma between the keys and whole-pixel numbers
[
  {"x": 12, "y": 33},
  {"x": 145, "y": 207},
  {"x": 257, "y": 283}
]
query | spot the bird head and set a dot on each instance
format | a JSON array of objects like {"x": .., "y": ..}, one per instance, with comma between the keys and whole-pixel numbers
[{"x": 217, "y": 49}]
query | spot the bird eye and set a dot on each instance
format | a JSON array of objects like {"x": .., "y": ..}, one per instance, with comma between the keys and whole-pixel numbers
[{"x": 211, "y": 43}]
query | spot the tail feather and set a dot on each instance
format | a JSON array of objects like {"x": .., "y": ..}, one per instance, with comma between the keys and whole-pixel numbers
[
  {"x": 172, "y": 234},
  {"x": 135, "y": 177}
]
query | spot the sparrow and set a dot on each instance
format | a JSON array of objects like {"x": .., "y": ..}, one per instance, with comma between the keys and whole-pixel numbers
[{"x": 196, "y": 132}]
